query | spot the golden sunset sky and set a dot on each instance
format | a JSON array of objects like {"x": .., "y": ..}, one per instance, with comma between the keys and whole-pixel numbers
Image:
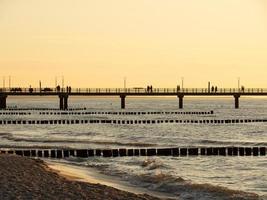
[{"x": 96, "y": 43}]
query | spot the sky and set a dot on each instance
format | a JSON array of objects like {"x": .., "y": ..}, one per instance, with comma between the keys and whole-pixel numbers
[{"x": 99, "y": 43}]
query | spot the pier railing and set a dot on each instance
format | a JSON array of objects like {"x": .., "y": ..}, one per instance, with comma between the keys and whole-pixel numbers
[{"x": 135, "y": 90}]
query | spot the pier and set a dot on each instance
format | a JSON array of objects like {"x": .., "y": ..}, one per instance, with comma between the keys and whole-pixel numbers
[{"x": 123, "y": 93}]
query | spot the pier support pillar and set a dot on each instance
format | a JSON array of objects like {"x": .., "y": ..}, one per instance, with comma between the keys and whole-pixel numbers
[
  {"x": 236, "y": 101},
  {"x": 66, "y": 102},
  {"x": 63, "y": 101},
  {"x": 3, "y": 101},
  {"x": 181, "y": 103},
  {"x": 122, "y": 101}
]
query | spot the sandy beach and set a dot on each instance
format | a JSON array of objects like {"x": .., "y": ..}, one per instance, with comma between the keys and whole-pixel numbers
[{"x": 24, "y": 178}]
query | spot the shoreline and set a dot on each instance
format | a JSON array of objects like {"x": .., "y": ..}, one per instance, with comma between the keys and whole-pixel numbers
[
  {"x": 26, "y": 178},
  {"x": 193, "y": 190},
  {"x": 77, "y": 173}
]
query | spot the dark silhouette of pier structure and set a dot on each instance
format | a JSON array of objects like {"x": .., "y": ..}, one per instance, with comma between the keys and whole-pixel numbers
[{"x": 64, "y": 95}]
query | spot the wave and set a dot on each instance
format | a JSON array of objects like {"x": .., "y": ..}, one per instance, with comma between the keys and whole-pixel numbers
[
  {"x": 97, "y": 142},
  {"x": 233, "y": 143},
  {"x": 186, "y": 189},
  {"x": 5, "y": 134},
  {"x": 259, "y": 131},
  {"x": 8, "y": 146},
  {"x": 151, "y": 164},
  {"x": 75, "y": 133},
  {"x": 159, "y": 180}
]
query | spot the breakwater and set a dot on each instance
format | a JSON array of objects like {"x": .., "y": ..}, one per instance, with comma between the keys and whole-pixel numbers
[
  {"x": 122, "y": 122},
  {"x": 178, "y": 151}
]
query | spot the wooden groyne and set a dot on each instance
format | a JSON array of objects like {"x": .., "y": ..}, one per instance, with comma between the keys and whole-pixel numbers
[
  {"x": 122, "y": 152},
  {"x": 131, "y": 122},
  {"x": 130, "y": 113},
  {"x": 74, "y": 112},
  {"x": 41, "y": 109},
  {"x": 15, "y": 113}
]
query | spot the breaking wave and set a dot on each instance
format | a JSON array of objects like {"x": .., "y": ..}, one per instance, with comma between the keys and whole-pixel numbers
[
  {"x": 233, "y": 143},
  {"x": 82, "y": 141}
]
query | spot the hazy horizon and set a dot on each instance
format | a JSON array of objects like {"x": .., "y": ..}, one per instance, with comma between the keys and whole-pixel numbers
[{"x": 98, "y": 43}]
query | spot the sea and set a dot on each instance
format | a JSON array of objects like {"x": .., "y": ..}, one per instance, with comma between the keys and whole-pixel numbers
[{"x": 201, "y": 177}]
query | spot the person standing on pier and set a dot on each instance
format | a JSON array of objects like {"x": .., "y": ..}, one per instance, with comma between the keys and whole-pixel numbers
[
  {"x": 58, "y": 88},
  {"x": 40, "y": 86},
  {"x": 30, "y": 89},
  {"x": 178, "y": 88},
  {"x": 242, "y": 88}
]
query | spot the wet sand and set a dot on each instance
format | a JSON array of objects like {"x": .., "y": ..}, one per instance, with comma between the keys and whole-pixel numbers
[
  {"x": 25, "y": 178},
  {"x": 91, "y": 175}
]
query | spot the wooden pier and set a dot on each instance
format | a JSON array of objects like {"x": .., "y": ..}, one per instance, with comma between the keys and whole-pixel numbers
[{"x": 122, "y": 93}]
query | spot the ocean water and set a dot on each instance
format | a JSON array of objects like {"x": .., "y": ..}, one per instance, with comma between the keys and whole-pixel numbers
[{"x": 178, "y": 177}]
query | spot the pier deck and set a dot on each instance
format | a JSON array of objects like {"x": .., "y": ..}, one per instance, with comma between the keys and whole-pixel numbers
[{"x": 63, "y": 94}]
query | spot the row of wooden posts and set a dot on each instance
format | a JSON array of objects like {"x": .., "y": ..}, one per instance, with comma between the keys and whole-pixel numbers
[
  {"x": 15, "y": 113},
  {"x": 111, "y": 113},
  {"x": 17, "y": 109},
  {"x": 128, "y": 113},
  {"x": 106, "y": 121},
  {"x": 182, "y": 152}
]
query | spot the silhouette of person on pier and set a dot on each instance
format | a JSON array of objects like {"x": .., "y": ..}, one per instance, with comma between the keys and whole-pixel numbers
[
  {"x": 178, "y": 88},
  {"x": 68, "y": 89},
  {"x": 30, "y": 89},
  {"x": 149, "y": 89},
  {"x": 58, "y": 88},
  {"x": 242, "y": 88}
]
